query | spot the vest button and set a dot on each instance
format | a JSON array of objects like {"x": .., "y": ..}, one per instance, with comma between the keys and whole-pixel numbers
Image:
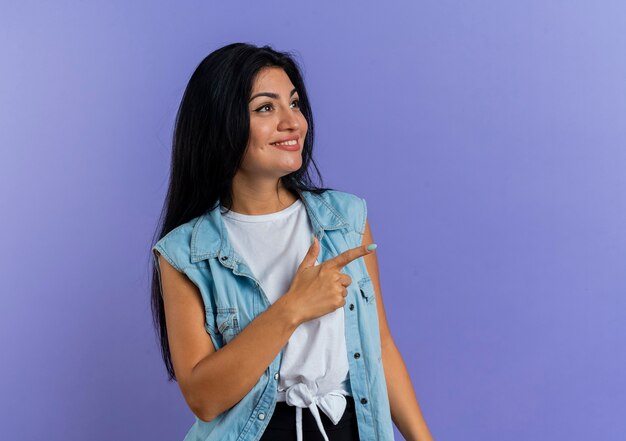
[
  {"x": 276, "y": 376},
  {"x": 261, "y": 416},
  {"x": 351, "y": 306},
  {"x": 363, "y": 400},
  {"x": 357, "y": 355}
]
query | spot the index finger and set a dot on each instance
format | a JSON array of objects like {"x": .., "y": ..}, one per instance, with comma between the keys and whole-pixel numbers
[{"x": 348, "y": 256}]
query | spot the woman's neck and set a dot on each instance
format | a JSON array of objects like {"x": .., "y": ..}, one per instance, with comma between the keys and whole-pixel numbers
[{"x": 256, "y": 201}]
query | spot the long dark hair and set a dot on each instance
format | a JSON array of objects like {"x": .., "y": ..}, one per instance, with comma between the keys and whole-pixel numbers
[{"x": 210, "y": 137}]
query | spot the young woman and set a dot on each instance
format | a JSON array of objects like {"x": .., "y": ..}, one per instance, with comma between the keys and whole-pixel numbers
[{"x": 266, "y": 294}]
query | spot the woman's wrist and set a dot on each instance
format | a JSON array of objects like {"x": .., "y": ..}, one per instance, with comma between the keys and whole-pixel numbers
[{"x": 288, "y": 311}]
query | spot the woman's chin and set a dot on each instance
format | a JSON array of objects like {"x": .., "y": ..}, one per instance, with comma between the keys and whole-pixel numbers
[{"x": 291, "y": 166}]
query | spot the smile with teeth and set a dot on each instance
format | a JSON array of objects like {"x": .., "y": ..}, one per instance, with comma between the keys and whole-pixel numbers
[{"x": 292, "y": 142}]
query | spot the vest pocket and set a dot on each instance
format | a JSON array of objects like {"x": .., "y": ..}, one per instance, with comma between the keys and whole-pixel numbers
[
  {"x": 367, "y": 289},
  {"x": 227, "y": 321}
]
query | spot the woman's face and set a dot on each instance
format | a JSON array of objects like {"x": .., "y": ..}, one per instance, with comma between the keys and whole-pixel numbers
[{"x": 274, "y": 116}]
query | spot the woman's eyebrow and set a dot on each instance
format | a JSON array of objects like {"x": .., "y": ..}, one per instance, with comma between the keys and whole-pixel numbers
[{"x": 270, "y": 94}]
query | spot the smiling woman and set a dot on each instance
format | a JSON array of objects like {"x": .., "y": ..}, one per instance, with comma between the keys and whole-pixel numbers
[
  {"x": 265, "y": 290},
  {"x": 277, "y": 132}
]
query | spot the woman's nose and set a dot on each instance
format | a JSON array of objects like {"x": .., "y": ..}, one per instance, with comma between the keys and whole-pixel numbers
[{"x": 289, "y": 120}]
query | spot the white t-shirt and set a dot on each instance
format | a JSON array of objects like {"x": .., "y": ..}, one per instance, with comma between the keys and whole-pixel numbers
[{"x": 314, "y": 367}]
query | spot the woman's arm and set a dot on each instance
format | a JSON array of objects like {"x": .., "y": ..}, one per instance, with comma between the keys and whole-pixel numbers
[
  {"x": 405, "y": 410},
  {"x": 213, "y": 381}
]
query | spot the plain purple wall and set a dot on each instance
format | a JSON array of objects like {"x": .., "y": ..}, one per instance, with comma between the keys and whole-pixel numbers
[{"x": 489, "y": 139}]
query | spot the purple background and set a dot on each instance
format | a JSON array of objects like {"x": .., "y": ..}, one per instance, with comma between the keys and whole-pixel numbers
[{"x": 489, "y": 139}]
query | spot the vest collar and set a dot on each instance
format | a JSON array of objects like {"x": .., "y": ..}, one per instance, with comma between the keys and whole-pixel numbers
[{"x": 209, "y": 238}]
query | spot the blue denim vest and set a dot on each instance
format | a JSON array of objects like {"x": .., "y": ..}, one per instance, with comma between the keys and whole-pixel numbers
[{"x": 233, "y": 298}]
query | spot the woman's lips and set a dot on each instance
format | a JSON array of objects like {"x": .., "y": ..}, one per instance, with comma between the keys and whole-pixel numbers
[{"x": 292, "y": 148}]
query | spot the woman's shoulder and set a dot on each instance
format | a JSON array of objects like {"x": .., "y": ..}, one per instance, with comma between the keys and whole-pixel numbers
[
  {"x": 350, "y": 206},
  {"x": 341, "y": 197},
  {"x": 175, "y": 246}
]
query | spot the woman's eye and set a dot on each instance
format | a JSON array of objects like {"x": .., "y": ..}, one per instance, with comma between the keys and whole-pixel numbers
[{"x": 260, "y": 109}]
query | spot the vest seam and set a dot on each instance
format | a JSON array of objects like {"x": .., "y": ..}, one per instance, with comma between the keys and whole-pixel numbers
[
  {"x": 362, "y": 229},
  {"x": 336, "y": 213},
  {"x": 165, "y": 254}
]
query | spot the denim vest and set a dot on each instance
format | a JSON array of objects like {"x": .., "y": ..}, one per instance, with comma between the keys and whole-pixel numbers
[{"x": 233, "y": 298}]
